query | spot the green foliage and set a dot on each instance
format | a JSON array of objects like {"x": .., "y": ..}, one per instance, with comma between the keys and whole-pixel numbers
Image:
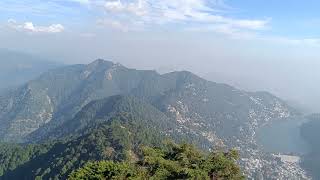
[
  {"x": 105, "y": 170},
  {"x": 171, "y": 162},
  {"x": 114, "y": 129},
  {"x": 14, "y": 155},
  {"x": 115, "y": 140},
  {"x": 221, "y": 165}
]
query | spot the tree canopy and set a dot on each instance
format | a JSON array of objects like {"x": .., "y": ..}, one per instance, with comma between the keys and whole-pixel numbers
[{"x": 172, "y": 161}]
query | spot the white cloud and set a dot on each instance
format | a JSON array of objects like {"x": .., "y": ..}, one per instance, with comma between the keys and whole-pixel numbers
[
  {"x": 136, "y": 8},
  {"x": 250, "y": 24},
  {"x": 188, "y": 12},
  {"x": 127, "y": 15},
  {"x": 30, "y": 27}
]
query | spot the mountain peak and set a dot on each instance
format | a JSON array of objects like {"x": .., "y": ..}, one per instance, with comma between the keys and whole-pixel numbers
[
  {"x": 100, "y": 62},
  {"x": 101, "y": 65}
]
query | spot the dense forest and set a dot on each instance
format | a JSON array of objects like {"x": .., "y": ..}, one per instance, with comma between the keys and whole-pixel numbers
[
  {"x": 124, "y": 144},
  {"x": 173, "y": 161},
  {"x": 111, "y": 141}
]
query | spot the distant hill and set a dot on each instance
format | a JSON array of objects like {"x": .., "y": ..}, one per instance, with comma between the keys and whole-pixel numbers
[
  {"x": 56, "y": 96},
  {"x": 18, "y": 68},
  {"x": 131, "y": 124},
  {"x": 116, "y": 129},
  {"x": 68, "y": 101}
]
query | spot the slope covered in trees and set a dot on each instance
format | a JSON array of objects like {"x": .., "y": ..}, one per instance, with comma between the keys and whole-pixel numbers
[
  {"x": 115, "y": 140},
  {"x": 125, "y": 146},
  {"x": 58, "y": 95},
  {"x": 139, "y": 114},
  {"x": 13, "y": 155},
  {"x": 108, "y": 129},
  {"x": 173, "y": 161},
  {"x": 70, "y": 105}
]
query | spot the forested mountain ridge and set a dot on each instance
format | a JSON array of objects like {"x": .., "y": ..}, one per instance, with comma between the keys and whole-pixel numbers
[
  {"x": 109, "y": 141},
  {"x": 63, "y": 102},
  {"x": 133, "y": 124},
  {"x": 173, "y": 161},
  {"x": 101, "y": 111},
  {"x": 58, "y": 95}
]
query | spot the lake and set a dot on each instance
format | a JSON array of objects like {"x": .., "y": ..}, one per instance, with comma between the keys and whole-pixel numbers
[{"x": 283, "y": 136}]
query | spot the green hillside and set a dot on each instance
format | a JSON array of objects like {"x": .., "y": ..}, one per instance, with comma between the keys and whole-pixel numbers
[{"x": 115, "y": 129}]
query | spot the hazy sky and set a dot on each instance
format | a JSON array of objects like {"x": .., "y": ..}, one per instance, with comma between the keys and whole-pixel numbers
[{"x": 254, "y": 44}]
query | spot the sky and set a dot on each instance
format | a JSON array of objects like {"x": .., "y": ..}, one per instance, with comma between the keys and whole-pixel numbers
[{"x": 252, "y": 44}]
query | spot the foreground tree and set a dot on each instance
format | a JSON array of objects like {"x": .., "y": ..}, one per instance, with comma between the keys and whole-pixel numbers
[{"x": 173, "y": 161}]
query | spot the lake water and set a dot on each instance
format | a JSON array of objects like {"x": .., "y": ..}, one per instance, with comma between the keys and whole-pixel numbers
[{"x": 283, "y": 136}]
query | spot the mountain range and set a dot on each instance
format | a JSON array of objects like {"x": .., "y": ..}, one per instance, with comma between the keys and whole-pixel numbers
[{"x": 72, "y": 102}]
